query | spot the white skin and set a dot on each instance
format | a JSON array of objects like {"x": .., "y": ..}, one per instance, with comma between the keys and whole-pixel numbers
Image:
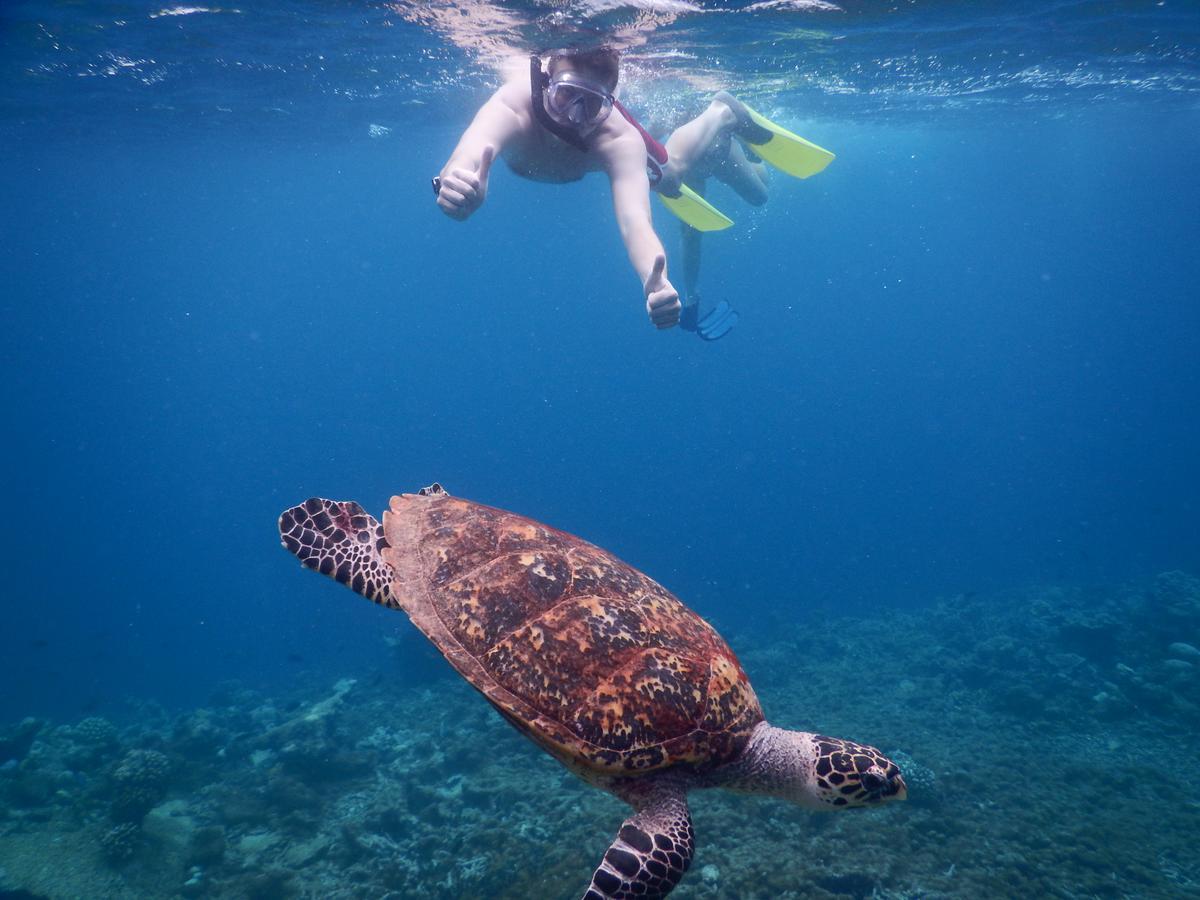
[{"x": 505, "y": 126}]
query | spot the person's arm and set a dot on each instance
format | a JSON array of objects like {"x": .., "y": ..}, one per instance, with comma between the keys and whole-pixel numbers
[
  {"x": 631, "y": 204},
  {"x": 463, "y": 180}
]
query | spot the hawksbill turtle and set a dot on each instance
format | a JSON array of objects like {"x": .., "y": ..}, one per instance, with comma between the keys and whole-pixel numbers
[{"x": 596, "y": 663}]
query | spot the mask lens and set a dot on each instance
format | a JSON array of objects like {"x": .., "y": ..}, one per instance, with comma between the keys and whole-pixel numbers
[
  {"x": 577, "y": 104},
  {"x": 592, "y": 106},
  {"x": 561, "y": 98}
]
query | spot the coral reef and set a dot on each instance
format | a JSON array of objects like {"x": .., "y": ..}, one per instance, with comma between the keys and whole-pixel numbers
[
  {"x": 1046, "y": 736},
  {"x": 921, "y": 780},
  {"x": 16, "y": 740},
  {"x": 138, "y": 782},
  {"x": 120, "y": 843}
]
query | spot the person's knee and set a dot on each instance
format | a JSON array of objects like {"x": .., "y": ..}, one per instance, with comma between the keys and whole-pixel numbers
[{"x": 755, "y": 195}]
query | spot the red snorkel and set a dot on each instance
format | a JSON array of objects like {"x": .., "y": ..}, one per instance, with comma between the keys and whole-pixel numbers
[{"x": 656, "y": 153}]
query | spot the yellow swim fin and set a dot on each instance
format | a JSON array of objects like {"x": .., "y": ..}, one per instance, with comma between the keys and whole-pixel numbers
[
  {"x": 695, "y": 210},
  {"x": 786, "y": 151}
]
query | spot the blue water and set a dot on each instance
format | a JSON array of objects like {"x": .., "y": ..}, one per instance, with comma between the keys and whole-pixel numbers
[{"x": 966, "y": 360}]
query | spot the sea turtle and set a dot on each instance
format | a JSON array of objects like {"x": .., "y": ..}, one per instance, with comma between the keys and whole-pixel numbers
[{"x": 596, "y": 663}]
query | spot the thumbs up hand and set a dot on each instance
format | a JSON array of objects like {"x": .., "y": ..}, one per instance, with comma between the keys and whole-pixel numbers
[
  {"x": 662, "y": 300},
  {"x": 463, "y": 191}
]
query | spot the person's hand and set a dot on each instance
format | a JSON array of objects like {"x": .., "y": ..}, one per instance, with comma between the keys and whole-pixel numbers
[
  {"x": 462, "y": 192},
  {"x": 662, "y": 300}
]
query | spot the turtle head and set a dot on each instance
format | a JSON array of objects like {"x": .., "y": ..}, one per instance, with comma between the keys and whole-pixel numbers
[
  {"x": 846, "y": 774},
  {"x": 815, "y": 771}
]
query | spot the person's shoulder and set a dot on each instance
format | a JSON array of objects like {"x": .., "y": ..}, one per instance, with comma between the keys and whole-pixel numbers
[
  {"x": 515, "y": 94},
  {"x": 621, "y": 141},
  {"x": 514, "y": 69}
]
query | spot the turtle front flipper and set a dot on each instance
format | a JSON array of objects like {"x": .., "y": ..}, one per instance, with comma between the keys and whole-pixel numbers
[
  {"x": 652, "y": 851},
  {"x": 340, "y": 539}
]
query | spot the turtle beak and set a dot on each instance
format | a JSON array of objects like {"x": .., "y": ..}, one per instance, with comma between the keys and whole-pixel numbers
[{"x": 881, "y": 785}]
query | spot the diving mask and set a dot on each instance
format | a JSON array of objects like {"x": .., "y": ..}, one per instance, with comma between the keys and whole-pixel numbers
[{"x": 577, "y": 103}]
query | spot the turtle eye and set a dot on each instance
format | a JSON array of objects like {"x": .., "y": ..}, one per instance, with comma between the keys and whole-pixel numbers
[{"x": 872, "y": 782}]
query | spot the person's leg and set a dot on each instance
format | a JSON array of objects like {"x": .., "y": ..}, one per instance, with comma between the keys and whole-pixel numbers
[
  {"x": 722, "y": 317},
  {"x": 748, "y": 178},
  {"x": 690, "y": 245},
  {"x": 691, "y": 142},
  {"x": 690, "y": 259}
]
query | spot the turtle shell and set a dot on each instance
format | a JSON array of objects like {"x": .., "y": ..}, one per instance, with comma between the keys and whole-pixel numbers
[{"x": 599, "y": 664}]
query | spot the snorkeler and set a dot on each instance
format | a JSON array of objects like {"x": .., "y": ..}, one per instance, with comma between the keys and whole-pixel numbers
[
  {"x": 550, "y": 121},
  {"x": 728, "y": 141},
  {"x": 554, "y": 124}
]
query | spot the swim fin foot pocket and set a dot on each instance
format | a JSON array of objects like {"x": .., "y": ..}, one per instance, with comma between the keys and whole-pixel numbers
[
  {"x": 715, "y": 324},
  {"x": 747, "y": 129},
  {"x": 718, "y": 323}
]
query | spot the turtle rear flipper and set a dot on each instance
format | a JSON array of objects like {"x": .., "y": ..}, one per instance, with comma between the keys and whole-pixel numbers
[{"x": 340, "y": 539}]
